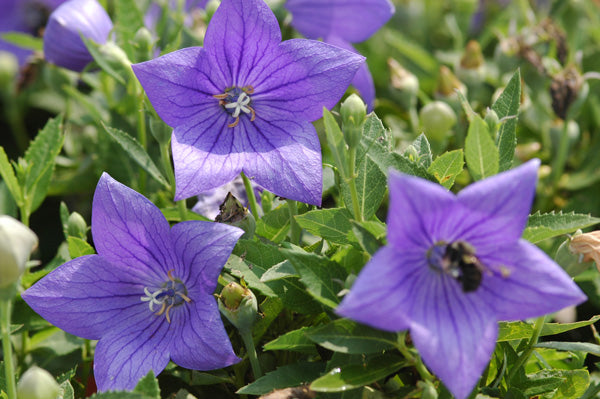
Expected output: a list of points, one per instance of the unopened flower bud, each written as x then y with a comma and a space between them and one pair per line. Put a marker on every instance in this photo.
411, 153
239, 305
9, 67
37, 383
115, 57
405, 82
353, 111
437, 118
16, 243
143, 42
76, 226
587, 247
232, 212
448, 83
471, 68
492, 121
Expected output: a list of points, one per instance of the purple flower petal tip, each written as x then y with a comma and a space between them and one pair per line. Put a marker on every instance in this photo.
245, 101
148, 294
63, 45
454, 266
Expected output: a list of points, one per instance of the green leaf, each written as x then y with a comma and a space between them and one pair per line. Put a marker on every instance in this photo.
423, 148
370, 187
323, 278
41, 157
574, 382
135, 150
283, 377
537, 384
270, 308
357, 375
79, 247
24, 40
547, 225
10, 179
405, 165
366, 240
148, 386
447, 166
67, 390
128, 19
205, 378
336, 142
94, 49
480, 151
296, 340
507, 106
571, 346
346, 336
332, 224
281, 270
521, 330
274, 225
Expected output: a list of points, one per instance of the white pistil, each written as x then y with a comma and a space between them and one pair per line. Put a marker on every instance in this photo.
240, 105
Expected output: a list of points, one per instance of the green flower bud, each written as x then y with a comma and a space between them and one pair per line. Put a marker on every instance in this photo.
116, 58
411, 153
402, 79
9, 68
144, 43
353, 111
16, 243
76, 226
448, 83
232, 212
437, 118
239, 305
492, 120
37, 383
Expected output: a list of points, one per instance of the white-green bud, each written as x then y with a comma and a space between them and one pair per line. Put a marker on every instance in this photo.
354, 112
143, 42
9, 67
37, 383
76, 226
116, 58
239, 305
16, 243
492, 120
437, 118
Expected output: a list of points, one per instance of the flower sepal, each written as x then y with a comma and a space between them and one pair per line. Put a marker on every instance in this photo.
239, 305
233, 213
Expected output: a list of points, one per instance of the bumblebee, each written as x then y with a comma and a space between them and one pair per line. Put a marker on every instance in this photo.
460, 262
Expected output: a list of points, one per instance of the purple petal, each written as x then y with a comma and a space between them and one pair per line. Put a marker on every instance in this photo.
498, 207
180, 85
352, 20
302, 77
380, 294
202, 249
200, 341
130, 231
128, 353
526, 283
87, 297
241, 33
286, 157
454, 332
206, 155
63, 45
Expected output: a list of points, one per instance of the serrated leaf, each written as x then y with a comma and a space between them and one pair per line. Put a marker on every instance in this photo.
357, 375
421, 144
323, 278
284, 377
447, 166
480, 151
346, 336
336, 142
507, 106
66, 390
547, 225
148, 386
79, 247
332, 224
23, 40
521, 330
274, 225
370, 184
574, 382
137, 153
10, 179
41, 157
405, 165
295, 340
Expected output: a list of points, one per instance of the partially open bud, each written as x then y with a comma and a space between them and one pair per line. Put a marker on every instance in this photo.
353, 111
564, 90
37, 383
448, 83
76, 226
437, 118
471, 68
587, 246
405, 82
232, 212
239, 305
16, 243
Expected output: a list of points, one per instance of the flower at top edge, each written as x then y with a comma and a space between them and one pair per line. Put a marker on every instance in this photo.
147, 296
63, 45
342, 22
244, 103
24, 16
454, 266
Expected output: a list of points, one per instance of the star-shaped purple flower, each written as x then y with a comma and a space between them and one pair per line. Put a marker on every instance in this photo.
454, 266
147, 295
342, 22
244, 102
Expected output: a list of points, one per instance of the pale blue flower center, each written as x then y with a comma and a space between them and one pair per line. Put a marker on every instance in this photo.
172, 293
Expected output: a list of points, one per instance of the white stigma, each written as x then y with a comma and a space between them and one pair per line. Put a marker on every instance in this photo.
240, 105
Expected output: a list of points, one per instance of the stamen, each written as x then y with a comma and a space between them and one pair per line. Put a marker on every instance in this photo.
253, 113
167, 314
237, 101
234, 124
172, 293
221, 96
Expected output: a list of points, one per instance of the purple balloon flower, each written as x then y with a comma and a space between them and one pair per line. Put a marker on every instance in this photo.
147, 295
454, 266
62, 39
245, 101
26, 16
342, 22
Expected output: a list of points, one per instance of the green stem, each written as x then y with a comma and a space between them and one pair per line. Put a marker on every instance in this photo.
251, 350
9, 369
15, 121
414, 360
142, 136
165, 157
537, 330
296, 231
24, 215
352, 185
561, 156
251, 196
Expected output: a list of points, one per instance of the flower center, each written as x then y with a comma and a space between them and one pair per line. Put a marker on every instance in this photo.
458, 260
35, 17
236, 100
172, 293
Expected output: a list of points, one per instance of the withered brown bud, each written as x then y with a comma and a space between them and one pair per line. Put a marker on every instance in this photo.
448, 82
472, 58
588, 245
564, 89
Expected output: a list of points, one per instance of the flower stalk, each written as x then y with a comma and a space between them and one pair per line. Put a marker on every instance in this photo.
537, 330
9, 369
296, 231
351, 180
251, 197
